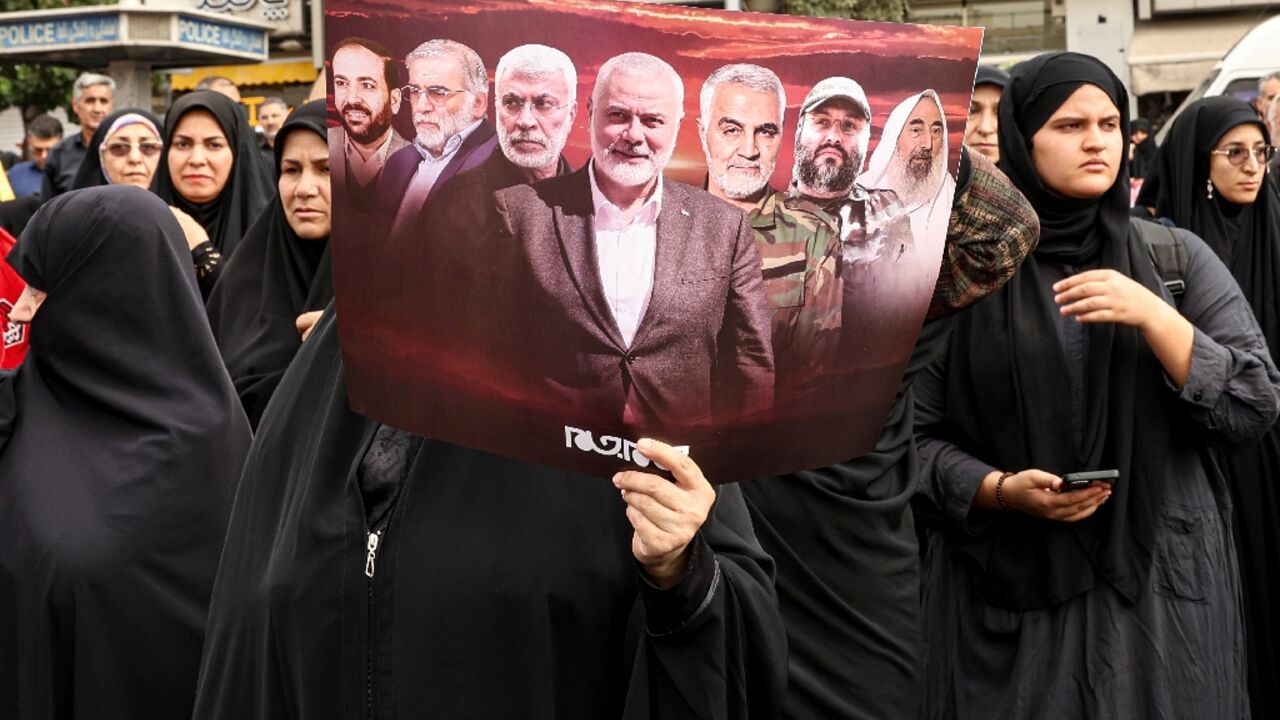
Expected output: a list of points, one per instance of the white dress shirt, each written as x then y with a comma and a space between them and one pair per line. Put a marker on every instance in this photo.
429, 169
626, 252
364, 171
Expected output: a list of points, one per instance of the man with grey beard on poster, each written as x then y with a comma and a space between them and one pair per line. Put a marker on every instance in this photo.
448, 91
536, 100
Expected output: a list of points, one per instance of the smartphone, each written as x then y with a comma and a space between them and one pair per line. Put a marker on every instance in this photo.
1082, 480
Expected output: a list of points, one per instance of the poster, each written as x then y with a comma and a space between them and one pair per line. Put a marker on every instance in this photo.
561, 227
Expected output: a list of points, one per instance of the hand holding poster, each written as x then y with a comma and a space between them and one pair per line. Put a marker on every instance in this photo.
721, 230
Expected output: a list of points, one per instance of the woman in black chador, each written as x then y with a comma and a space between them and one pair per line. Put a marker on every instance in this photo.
212, 171
282, 268
1211, 178
119, 467
373, 574
1118, 600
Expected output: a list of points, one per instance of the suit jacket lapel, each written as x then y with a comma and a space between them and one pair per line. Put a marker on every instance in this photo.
482, 137
573, 219
675, 223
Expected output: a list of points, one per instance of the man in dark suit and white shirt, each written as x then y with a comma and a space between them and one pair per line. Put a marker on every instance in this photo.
448, 90
641, 298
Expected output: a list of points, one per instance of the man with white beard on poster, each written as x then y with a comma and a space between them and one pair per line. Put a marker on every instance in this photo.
536, 96
646, 297
911, 160
448, 90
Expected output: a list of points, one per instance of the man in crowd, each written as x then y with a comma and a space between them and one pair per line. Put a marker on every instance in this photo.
271, 115
647, 293
43, 133
92, 100
219, 84
911, 160
448, 91
982, 131
1268, 90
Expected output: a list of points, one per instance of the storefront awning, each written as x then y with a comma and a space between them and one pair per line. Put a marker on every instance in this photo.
268, 73
1175, 54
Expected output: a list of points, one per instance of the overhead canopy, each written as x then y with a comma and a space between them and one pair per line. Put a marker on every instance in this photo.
268, 73
1175, 54
94, 35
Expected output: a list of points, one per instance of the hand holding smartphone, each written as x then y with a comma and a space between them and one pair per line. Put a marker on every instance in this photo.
1082, 480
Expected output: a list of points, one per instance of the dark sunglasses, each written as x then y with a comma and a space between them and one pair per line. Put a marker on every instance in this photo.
120, 148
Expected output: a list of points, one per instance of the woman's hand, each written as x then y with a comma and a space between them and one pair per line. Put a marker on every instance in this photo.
1102, 296
1035, 493
193, 230
306, 322
666, 515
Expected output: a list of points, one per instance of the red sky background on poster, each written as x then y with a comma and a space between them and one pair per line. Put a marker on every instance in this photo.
891, 61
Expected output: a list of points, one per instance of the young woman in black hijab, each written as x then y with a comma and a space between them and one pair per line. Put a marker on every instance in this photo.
281, 269
1212, 179
119, 468
1116, 600
211, 170
370, 573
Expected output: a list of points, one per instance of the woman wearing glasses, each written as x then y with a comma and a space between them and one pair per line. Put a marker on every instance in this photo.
1211, 178
124, 150
213, 176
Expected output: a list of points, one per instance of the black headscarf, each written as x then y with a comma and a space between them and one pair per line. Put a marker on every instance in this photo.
249, 186
991, 75
1010, 400
1244, 237
122, 463
90, 173
274, 277
1144, 153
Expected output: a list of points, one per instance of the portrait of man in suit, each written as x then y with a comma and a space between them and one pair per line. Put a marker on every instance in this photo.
650, 304
366, 94
448, 92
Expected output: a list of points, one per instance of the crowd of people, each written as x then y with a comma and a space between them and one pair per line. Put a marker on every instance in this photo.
195, 523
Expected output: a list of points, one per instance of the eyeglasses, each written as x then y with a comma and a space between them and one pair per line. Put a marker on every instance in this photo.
1237, 155
121, 148
436, 93
542, 105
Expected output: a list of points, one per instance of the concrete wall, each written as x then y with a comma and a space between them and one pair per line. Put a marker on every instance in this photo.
1103, 28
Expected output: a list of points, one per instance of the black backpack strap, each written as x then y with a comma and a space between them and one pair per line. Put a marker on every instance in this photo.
1168, 254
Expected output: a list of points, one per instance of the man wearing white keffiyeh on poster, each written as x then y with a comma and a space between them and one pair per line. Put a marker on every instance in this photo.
911, 159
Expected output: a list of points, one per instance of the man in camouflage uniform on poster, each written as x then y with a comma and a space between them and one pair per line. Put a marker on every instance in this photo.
740, 126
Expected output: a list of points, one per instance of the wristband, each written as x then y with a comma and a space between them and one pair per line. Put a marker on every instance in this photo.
1000, 489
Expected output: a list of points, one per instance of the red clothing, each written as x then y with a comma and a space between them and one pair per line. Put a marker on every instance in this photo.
13, 343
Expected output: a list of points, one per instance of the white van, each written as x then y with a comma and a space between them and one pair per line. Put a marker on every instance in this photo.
1254, 57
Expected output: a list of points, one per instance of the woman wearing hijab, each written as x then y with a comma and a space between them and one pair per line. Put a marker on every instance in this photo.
1120, 599
281, 269
372, 573
212, 172
125, 149
1211, 178
118, 470
1142, 153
